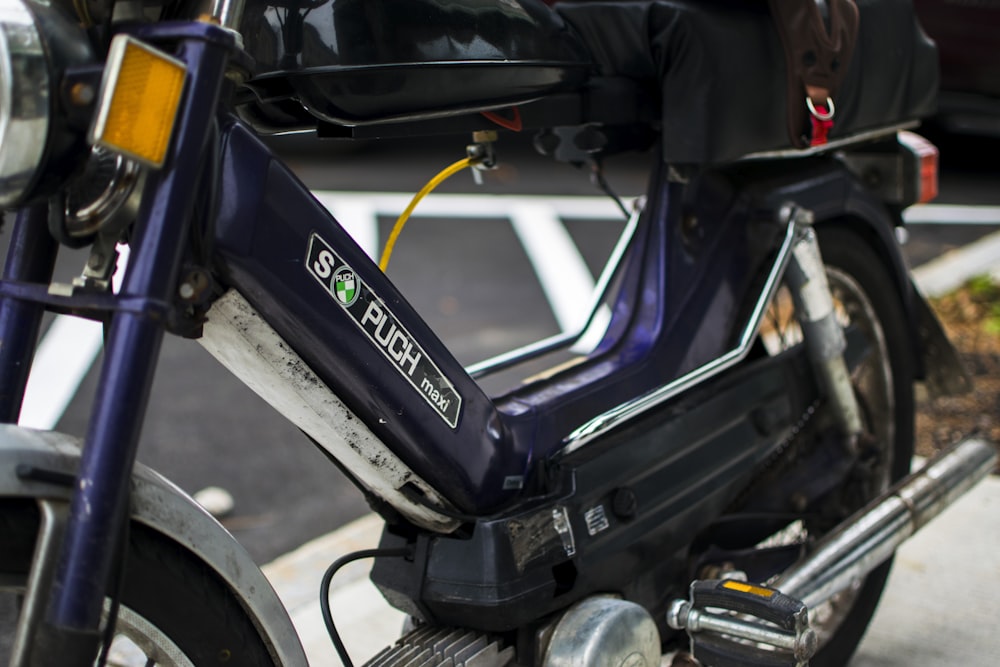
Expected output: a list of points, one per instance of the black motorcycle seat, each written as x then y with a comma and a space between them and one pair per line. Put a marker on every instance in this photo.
354, 62
716, 68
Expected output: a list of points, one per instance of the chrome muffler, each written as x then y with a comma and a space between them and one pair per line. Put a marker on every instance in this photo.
867, 539
844, 557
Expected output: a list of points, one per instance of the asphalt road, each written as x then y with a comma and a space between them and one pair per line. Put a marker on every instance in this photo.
206, 429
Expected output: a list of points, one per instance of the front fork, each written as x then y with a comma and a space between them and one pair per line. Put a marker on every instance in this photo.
69, 633
823, 335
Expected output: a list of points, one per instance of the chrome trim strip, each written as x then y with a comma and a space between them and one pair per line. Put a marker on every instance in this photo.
858, 138
508, 359
613, 418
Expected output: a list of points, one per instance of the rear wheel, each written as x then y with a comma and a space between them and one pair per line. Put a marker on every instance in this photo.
869, 307
174, 612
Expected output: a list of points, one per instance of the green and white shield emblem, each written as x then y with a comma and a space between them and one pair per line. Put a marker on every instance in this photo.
345, 286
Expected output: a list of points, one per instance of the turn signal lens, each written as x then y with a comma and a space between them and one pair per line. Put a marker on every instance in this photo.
140, 95
926, 155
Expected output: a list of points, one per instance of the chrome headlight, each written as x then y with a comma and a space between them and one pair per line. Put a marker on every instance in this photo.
42, 132
24, 100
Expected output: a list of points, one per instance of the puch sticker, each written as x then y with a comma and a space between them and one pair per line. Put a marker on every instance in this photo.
345, 286
375, 319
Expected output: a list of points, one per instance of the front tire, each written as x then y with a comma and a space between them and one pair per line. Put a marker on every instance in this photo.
175, 611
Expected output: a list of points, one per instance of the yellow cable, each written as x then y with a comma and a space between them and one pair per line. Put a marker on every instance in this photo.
405, 215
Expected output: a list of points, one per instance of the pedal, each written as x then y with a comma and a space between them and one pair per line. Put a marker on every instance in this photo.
735, 624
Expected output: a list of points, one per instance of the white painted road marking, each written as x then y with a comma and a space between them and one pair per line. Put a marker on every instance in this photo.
69, 347
951, 214
565, 279
62, 360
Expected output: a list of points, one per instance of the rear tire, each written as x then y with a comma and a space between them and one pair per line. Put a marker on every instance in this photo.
175, 610
847, 251
867, 298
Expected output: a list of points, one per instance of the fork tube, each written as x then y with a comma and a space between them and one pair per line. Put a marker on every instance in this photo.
31, 257
100, 500
823, 334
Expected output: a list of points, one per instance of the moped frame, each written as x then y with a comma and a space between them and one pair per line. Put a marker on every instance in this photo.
668, 317
681, 301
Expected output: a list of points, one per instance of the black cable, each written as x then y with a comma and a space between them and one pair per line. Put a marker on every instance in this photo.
115, 593
324, 591
597, 176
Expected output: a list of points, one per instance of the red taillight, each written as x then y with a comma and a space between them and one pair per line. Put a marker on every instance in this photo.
926, 157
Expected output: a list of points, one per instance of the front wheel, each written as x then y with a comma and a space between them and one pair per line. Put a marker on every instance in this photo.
174, 612
869, 306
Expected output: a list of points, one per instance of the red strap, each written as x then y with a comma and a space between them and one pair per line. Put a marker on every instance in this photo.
820, 128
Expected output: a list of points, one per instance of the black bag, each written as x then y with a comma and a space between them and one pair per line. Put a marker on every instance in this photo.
725, 84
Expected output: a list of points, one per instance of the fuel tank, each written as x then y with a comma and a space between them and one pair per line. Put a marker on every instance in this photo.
353, 62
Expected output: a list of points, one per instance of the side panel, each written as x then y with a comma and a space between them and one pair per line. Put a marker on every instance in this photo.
641, 492
632, 508
311, 282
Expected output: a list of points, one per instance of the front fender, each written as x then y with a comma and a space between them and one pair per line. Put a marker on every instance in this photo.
160, 505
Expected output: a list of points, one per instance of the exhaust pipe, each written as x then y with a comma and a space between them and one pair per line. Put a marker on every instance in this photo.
855, 548
869, 538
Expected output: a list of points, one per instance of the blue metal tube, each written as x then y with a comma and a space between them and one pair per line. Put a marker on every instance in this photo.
100, 500
31, 257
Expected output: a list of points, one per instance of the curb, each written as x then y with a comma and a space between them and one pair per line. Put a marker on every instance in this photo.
952, 269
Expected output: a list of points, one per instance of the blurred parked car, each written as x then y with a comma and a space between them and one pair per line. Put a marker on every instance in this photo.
968, 36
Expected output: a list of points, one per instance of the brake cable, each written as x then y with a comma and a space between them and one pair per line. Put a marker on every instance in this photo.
324, 591
405, 215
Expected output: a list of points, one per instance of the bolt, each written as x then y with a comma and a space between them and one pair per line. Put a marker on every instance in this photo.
799, 502
678, 613
624, 504
804, 216
485, 136
195, 283
82, 94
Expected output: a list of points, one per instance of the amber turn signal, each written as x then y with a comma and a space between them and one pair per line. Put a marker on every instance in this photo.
140, 96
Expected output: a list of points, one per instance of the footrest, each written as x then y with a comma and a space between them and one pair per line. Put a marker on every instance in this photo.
765, 603
735, 624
